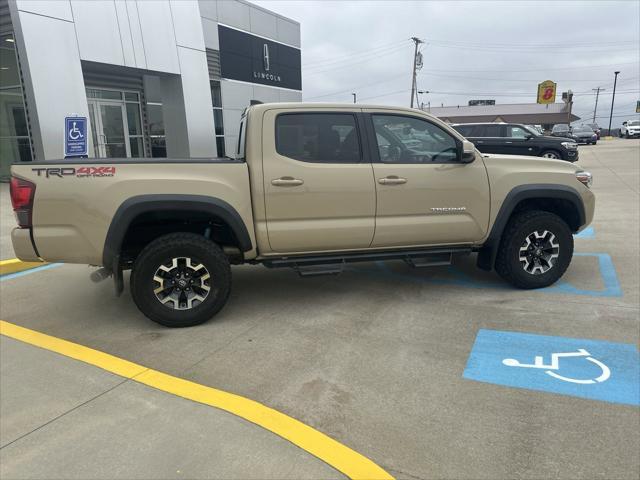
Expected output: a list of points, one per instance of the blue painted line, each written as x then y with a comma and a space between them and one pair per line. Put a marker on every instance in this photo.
588, 232
457, 277
594, 369
607, 272
11, 276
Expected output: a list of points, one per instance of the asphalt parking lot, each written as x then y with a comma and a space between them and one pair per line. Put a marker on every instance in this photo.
384, 359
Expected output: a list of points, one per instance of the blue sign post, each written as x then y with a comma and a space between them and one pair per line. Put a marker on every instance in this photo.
593, 369
75, 137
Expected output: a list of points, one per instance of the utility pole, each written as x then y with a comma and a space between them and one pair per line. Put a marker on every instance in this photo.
595, 110
354, 97
417, 42
615, 80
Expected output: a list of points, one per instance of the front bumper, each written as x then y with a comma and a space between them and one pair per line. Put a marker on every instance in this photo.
23, 246
571, 155
633, 133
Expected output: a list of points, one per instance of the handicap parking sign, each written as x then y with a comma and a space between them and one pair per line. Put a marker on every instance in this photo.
593, 369
75, 139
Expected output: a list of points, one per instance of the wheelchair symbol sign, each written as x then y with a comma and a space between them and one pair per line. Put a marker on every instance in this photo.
555, 365
75, 140
579, 367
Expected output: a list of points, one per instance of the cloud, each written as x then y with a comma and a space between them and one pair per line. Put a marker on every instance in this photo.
495, 50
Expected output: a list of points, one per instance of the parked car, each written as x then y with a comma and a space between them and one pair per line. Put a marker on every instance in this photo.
562, 130
517, 139
312, 187
596, 129
630, 128
584, 134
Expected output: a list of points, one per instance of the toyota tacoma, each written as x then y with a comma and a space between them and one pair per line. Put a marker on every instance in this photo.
311, 187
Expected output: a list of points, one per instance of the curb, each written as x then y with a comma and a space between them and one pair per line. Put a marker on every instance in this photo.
14, 265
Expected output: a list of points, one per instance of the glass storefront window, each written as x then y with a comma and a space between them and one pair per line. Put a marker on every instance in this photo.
13, 120
216, 94
156, 122
217, 121
133, 119
158, 147
131, 97
99, 93
9, 75
15, 145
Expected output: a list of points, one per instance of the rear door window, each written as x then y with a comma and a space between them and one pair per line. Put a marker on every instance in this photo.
318, 137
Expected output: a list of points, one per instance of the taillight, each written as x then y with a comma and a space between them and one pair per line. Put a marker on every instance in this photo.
22, 193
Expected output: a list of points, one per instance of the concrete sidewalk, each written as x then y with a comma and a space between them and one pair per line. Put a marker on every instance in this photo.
61, 418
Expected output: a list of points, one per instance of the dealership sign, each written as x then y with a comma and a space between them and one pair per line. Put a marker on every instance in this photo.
547, 92
254, 59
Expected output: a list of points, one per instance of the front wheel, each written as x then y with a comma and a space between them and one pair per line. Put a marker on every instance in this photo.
535, 250
181, 280
550, 154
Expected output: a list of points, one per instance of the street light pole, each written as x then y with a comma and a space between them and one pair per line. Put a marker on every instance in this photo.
615, 80
354, 97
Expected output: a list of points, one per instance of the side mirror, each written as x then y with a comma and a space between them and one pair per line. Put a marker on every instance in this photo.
528, 136
624, 123
468, 152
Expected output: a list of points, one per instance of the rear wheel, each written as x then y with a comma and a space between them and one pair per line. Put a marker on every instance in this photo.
181, 280
535, 251
550, 154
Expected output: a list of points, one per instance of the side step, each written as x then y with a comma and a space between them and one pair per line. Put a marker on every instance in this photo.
333, 264
322, 269
433, 260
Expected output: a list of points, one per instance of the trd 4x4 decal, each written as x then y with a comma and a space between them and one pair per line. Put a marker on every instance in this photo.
80, 172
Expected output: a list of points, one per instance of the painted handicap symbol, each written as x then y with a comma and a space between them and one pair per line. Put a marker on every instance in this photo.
555, 365
75, 133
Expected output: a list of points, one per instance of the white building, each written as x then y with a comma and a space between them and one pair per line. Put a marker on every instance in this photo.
153, 77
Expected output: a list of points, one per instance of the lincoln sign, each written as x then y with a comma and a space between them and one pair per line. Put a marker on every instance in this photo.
253, 59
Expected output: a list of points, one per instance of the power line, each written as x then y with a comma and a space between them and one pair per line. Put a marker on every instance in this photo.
370, 54
352, 54
374, 55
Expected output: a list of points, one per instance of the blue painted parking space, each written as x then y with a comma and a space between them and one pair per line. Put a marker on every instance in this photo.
592, 369
457, 277
587, 233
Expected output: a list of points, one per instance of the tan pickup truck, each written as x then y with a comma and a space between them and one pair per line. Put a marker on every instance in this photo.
312, 187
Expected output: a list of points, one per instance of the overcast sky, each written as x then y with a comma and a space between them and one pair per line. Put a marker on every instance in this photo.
472, 50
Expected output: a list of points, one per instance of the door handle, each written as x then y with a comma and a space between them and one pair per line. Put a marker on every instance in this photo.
508, 142
286, 182
479, 141
392, 180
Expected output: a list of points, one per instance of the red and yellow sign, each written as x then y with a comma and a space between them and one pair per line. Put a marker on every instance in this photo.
547, 92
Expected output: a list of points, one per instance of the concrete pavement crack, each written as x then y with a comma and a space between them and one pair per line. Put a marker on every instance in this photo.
65, 413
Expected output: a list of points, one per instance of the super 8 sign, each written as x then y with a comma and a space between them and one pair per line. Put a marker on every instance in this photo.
547, 92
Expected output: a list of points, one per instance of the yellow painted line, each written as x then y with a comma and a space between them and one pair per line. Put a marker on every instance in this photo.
340, 457
15, 265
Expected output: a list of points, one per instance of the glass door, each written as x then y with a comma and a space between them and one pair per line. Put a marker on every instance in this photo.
116, 127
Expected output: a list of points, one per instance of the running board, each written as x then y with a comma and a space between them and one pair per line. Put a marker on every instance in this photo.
332, 264
316, 270
433, 260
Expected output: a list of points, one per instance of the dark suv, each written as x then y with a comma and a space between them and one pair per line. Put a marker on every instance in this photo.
517, 139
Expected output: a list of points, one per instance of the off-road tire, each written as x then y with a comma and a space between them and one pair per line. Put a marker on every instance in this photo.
520, 226
163, 250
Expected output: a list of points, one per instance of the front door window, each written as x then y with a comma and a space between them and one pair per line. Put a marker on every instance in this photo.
116, 127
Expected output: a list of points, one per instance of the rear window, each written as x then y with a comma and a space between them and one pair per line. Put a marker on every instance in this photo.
464, 130
318, 137
488, 131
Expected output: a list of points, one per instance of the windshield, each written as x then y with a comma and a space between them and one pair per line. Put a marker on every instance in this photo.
633, 123
534, 131
583, 129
